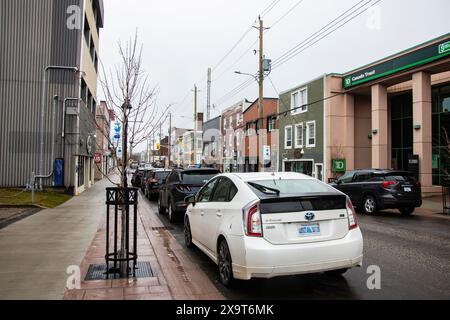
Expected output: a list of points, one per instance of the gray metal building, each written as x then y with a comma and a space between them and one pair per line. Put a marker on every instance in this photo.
48, 88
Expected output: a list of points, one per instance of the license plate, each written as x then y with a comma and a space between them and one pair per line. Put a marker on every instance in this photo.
408, 189
308, 230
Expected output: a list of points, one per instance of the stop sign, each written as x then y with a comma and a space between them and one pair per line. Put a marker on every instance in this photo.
98, 158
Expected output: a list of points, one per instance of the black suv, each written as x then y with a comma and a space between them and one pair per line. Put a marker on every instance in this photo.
179, 185
373, 190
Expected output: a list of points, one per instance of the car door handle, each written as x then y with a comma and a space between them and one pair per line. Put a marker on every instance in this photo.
219, 214
202, 213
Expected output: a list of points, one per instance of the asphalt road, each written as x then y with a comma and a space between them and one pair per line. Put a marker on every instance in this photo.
413, 254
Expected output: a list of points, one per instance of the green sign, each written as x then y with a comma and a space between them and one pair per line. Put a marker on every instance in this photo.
339, 166
445, 47
435, 161
410, 60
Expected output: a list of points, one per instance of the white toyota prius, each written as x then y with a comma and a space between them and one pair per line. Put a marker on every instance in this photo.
265, 225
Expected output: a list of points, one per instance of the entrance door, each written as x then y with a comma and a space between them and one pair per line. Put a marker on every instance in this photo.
402, 130
319, 172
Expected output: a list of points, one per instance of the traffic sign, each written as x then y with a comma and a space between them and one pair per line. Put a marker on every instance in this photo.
98, 158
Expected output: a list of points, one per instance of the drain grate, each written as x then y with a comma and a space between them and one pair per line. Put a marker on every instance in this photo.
162, 228
98, 272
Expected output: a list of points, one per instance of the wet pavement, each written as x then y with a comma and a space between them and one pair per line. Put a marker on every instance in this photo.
412, 253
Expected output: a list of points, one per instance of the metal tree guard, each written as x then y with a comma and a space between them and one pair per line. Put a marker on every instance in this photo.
121, 199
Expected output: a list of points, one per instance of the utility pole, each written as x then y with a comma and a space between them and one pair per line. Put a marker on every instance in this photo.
195, 124
261, 89
170, 137
208, 99
160, 139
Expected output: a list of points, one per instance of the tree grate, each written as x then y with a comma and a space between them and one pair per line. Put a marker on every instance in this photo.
98, 272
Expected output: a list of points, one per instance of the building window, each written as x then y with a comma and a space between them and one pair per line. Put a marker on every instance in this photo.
240, 119
87, 32
271, 123
311, 134
84, 91
288, 137
249, 129
230, 122
299, 136
299, 101
80, 169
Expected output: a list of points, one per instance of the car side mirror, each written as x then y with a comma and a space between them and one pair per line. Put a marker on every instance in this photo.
339, 182
190, 200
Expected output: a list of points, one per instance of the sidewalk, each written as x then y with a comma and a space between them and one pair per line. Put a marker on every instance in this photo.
35, 252
175, 275
432, 207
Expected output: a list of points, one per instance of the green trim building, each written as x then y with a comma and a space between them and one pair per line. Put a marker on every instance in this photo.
301, 125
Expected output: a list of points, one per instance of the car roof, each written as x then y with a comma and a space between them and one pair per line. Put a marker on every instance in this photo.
197, 169
382, 171
260, 176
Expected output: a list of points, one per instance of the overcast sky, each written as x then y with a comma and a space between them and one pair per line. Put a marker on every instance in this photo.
183, 38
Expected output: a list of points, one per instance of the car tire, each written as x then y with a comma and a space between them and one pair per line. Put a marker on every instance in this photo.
161, 209
172, 214
369, 205
187, 233
407, 211
225, 264
336, 273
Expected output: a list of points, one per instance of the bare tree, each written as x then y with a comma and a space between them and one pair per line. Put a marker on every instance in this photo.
128, 91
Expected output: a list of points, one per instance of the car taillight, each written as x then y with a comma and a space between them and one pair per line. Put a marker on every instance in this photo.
352, 221
388, 184
251, 216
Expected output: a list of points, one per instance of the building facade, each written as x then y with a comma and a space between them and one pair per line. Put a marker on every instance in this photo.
233, 133
393, 113
104, 118
212, 142
261, 137
48, 86
301, 123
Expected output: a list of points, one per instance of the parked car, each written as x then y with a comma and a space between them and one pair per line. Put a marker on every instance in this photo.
138, 178
265, 225
153, 181
133, 167
179, 185
373, 190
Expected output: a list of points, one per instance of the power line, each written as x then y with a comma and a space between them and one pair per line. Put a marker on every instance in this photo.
316, 37
319, 37
269, 8
287, 13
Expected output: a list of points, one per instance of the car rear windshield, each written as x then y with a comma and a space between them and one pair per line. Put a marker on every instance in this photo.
197, 177
400, 177
291, 187
161, 175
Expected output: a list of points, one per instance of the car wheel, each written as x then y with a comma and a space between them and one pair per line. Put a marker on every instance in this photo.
187, 233
369, 205
336, 273
225, 264
172, 213
161, 209
407, 211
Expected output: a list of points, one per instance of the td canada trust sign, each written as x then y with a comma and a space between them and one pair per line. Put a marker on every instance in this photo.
413, 59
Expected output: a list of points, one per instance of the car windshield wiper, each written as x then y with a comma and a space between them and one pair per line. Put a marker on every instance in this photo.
264, 189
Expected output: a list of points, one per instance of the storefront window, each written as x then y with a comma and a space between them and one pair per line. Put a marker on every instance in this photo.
402, 130
441, 132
